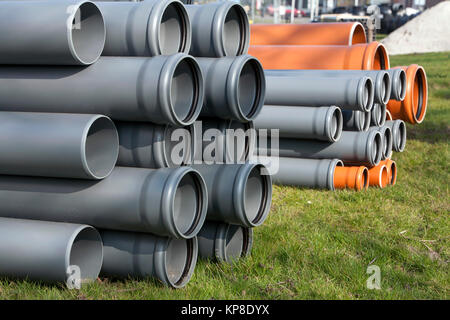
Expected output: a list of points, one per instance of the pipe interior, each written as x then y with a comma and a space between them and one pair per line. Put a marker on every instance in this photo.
234, 32
387, 137
359, 35
419, 95
88, 33
234, 243
178, 260
172, 30
380, 60
393, 173
365, 178
336, 124
184, 92
368, 94
384, 179
249, 88
188, 203
367, 118
401, 137
102, 147
256, 195
87, 253
377, 148
402, 85
383, 112
376, 114
386, 92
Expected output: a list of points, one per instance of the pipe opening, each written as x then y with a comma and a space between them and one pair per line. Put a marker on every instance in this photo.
256, 195
188, 204
88, 33
377, 148
185, 90
383, 111
419, 95
367, 95
358, 35
86, 252
251, 88
386, 88
366, 122
384, 178
365, 178
235, 31
235, 241
376, 114
402, 84
387, 142
401, 137
393, 173
336, 125
381, 60
173, 29
179, 261
101, 147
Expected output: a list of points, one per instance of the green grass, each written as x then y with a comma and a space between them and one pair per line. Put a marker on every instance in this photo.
318, 244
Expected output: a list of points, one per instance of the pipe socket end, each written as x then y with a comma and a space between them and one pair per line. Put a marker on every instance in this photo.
365, 94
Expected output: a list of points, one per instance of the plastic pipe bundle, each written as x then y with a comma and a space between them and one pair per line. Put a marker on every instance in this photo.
298, 90
378, 176
414, 107
148, 28
386, 138
219, 29
57, 145
162, 89
343, 33
73, 32
371, 56
309, 173
147, 145
323, 123
224, 141
398, 81
378, 115
356, 120
356, 178
361, 148
239, 194
140, 255
380, 78
398, 129
234, 87
224, 242
49, 251
166, 202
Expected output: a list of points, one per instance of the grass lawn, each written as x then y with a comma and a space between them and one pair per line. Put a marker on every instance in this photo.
318, 244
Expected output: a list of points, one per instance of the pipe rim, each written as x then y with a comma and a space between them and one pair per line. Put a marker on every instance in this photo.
419, 94
383, 177
227, 247
385, 83
375, 57
363, 180
99, 161
227, 11
376, 114
383, 112
388, 115
392, 172
367, 119
400, 83
334, 123
172, 98
246, 103
174, 208
241, 193
357, 34
374, 147
365, 94
387, 142
156, 38
331, 173
401, 135
93, 257
95, 31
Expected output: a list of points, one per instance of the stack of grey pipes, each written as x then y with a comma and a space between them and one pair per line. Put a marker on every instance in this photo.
100, 169
327, 119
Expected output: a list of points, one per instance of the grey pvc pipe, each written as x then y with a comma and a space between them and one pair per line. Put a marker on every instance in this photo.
148, 28
398, 79
323, 123
51, 32
354, 147
298, 90
166, 202
49, 251
162, 89
219, 141
308, 173
219, 29
380, 78
354, 120
387, 140
141, 255
378, 115
238, 194
398, 129
148, 145
234, 87
57, 145
224, 242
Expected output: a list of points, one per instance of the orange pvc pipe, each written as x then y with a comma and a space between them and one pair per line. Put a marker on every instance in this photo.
368, 56
356, 178
391, 167
414, 107
341, 33
378, 176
